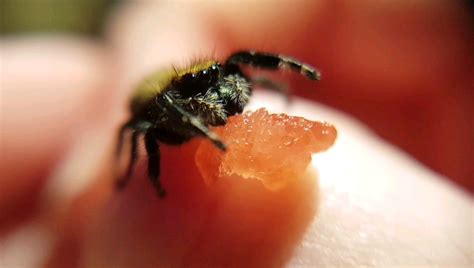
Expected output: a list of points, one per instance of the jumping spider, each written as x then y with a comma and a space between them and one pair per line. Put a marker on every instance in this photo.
174, 105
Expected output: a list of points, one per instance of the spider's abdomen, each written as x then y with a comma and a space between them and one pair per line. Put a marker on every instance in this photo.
152, 86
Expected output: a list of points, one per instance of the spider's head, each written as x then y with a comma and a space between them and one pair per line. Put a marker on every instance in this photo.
201, 76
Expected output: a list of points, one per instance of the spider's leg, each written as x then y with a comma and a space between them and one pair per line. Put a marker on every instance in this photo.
195, 122
121, 139
267, 83
137, 129
122, 181
153, 151
273, 61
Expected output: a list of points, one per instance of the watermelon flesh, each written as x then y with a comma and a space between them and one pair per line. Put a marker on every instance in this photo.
272, 148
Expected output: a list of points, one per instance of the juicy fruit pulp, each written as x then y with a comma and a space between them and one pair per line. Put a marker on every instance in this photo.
272, 148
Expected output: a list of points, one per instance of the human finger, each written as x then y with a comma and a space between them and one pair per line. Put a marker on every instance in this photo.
48, 89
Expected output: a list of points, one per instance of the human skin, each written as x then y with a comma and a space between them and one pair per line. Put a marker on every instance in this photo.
375, 205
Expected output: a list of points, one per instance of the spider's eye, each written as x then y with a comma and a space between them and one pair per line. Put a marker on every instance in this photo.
214, 72
189, 78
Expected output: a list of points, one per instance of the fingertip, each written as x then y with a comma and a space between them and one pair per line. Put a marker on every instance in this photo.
235, 220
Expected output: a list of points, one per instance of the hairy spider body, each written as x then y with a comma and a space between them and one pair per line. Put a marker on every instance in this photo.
173, 106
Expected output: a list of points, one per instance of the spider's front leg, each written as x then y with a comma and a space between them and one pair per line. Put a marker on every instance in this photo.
273, 62
194, 122
266, 83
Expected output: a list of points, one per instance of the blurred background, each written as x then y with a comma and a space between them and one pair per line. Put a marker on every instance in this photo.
404, 68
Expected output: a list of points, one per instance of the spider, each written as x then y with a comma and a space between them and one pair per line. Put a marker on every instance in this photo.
175, 105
